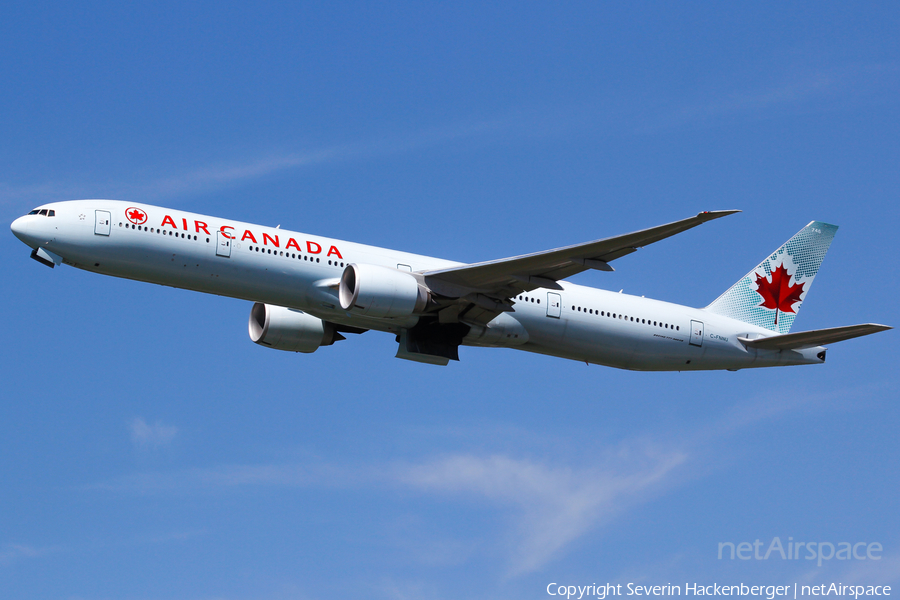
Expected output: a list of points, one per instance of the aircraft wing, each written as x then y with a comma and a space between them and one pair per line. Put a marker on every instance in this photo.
816, 337
507, 277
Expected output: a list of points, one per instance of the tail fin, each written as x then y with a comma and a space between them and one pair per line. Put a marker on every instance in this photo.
771, 294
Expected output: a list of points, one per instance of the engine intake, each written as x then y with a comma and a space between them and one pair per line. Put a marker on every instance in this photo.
381, 291
290, 330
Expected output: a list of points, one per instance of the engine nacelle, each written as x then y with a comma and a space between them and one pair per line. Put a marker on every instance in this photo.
291, 330
381, 291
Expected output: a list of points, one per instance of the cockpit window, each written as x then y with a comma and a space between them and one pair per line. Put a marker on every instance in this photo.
34, 212
45, 212
51, 213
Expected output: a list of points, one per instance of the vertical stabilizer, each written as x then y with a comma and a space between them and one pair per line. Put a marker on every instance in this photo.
771, 294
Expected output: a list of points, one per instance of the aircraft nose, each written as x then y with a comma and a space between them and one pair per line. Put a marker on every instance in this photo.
19, 228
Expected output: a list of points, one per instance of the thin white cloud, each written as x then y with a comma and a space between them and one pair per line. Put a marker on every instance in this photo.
13, 552
797, 88
146, 436
555, 504
407, 590
549, 503
224, 174
235, 476
886, 570
794, 87
212, 177
174, 536
793, 91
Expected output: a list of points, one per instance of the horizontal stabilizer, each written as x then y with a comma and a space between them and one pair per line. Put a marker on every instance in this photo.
811, 339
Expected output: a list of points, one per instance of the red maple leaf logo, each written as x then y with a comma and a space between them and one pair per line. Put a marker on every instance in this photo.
136, 215
779, 294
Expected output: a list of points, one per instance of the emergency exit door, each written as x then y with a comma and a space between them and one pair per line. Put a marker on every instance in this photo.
102, 222
697, 333
223, 244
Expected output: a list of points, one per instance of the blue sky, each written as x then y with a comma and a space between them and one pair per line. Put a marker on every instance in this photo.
149, 450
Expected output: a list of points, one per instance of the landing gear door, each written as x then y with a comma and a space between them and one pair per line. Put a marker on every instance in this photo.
554, 305
223, 244
697, 333
102, 221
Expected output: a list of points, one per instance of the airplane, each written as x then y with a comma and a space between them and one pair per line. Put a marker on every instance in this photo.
309, 290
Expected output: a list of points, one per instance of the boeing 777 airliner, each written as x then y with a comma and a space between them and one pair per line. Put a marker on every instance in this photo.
309, 290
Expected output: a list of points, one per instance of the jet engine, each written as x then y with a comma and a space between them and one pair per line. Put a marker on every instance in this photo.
381, 291
291, 330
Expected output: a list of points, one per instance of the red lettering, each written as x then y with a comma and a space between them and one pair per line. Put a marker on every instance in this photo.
247, 234
225, 233
266, 237
198, 225
334, 250
292, 242
168, 219
185, 224
309, 248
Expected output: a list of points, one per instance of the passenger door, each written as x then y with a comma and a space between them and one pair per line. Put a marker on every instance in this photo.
554, 305
102, 222
697, 333
223, 245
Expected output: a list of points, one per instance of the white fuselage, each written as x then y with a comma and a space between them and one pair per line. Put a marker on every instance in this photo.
301, 271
